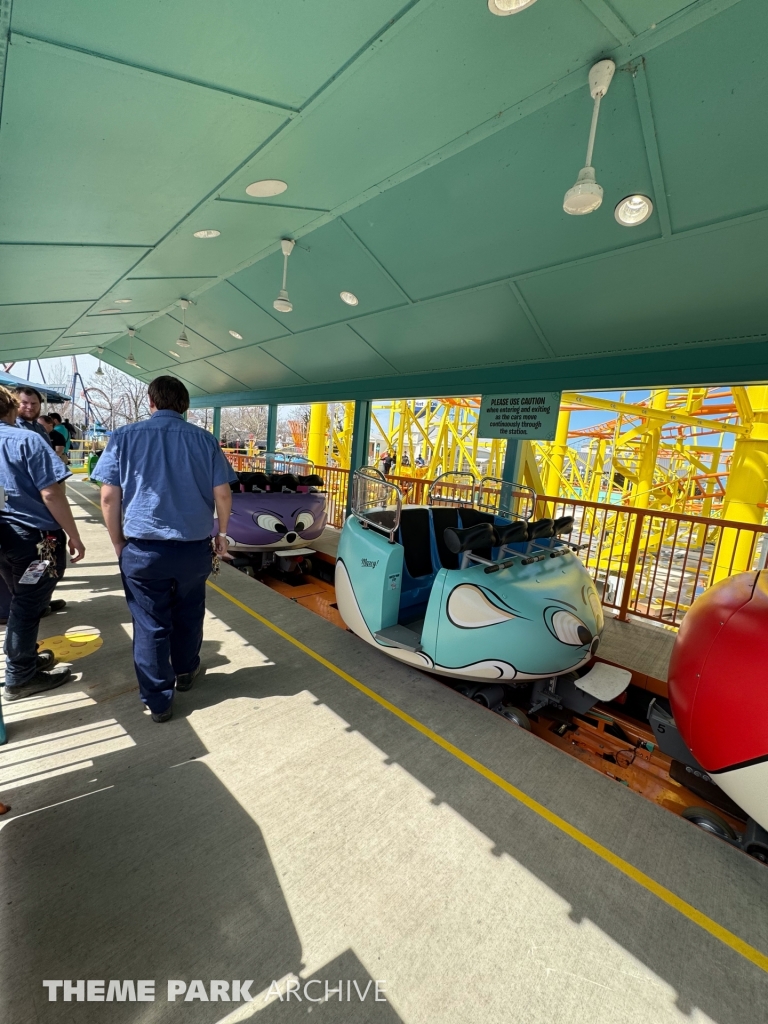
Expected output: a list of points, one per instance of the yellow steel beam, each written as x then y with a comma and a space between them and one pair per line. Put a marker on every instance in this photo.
663, 415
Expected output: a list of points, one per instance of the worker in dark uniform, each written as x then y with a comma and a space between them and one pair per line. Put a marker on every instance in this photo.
161, 479
30, 402
32, 525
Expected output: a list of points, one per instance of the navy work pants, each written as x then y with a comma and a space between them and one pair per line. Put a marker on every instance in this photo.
164, 584
18, 547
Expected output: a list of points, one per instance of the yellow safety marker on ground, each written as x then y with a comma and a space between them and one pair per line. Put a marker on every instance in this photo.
78, 642
664, 894
725, 936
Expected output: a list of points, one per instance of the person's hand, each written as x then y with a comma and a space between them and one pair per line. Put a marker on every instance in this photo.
118, 546
76, 548
221, 546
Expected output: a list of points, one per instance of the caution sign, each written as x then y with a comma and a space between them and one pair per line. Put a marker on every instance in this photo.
528, 417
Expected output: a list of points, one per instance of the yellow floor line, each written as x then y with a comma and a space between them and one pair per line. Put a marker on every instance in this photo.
664, 894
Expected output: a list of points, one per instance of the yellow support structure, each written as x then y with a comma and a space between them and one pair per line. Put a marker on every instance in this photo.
318, 424
558, 452
746, 491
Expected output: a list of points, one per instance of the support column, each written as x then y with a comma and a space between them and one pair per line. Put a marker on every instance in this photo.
318, 421
217, 422
361, 432
271, 427
746, 491
644, 496
558, 451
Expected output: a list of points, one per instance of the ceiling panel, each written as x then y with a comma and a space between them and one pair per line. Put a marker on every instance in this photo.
210, 378
713, 155
705, 287
256, 368
57, 273
28, 340
150, 293
118, 175
322, 265
496, 209
269, 51
642, 15
74, 346
453, 67
40, 316
484, 326
245, 231
221, 309
329, 354
21, 354
148, 357
162, 334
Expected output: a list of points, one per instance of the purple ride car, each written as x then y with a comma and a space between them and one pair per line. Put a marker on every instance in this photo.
273, 512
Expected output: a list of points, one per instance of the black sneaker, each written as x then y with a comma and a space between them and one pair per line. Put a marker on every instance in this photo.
46, 659
185, 680
39, 683
163, 716
55, 606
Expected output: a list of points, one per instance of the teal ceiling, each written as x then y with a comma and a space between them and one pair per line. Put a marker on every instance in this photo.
427, 146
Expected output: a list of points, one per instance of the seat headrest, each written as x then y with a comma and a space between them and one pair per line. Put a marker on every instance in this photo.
540, 530
563, 524
471, 539
511, 533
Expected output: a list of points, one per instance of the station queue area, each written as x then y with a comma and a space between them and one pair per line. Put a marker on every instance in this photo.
383, 512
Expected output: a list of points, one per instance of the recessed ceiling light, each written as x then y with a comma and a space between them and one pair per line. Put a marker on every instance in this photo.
633, 210
82, 332
122, 302
172, 353
504, 7
236, 335
207, 233
349, 297
110, 311
266, 187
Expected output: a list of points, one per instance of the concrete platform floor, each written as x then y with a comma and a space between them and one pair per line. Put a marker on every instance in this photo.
289, 824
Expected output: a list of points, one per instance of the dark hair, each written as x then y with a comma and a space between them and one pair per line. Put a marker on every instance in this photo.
46, 419
55, 416
24, 390
8, 401
169, 393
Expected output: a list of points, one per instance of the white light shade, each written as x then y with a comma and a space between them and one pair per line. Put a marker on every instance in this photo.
505, 7
207, 233
236, 335
266, 187
183, 341
585, 196
132, 362
99, 371
349, 297
122, 302
633, 210
282, 303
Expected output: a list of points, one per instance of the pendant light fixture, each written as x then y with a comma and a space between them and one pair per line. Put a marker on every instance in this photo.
130, 360
586, 195
99, 371
183, 341
505, 7
282, 303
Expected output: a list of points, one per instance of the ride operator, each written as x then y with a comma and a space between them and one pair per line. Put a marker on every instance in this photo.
33, 557
165, 476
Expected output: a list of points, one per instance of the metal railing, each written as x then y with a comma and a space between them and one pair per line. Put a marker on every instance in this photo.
645, 563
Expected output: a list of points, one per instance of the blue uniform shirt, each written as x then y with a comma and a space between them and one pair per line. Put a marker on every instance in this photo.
34, 426
167, 469
28, 464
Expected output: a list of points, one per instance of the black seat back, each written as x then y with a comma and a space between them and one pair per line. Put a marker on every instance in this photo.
415, 538
511, 533
563, 524
471, 517
540, 530
475, 538
443, 519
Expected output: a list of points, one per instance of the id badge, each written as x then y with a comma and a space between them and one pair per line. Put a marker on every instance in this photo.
34, 572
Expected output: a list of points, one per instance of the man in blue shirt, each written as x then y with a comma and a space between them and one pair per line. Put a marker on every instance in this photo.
32, 524
161, 479
30, 403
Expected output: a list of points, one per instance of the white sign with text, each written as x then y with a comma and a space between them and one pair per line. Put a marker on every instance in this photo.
526, 417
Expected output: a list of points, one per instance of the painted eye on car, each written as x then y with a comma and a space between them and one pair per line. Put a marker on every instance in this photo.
597, 609
304, 520
469, 608
568, 628
270, 523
